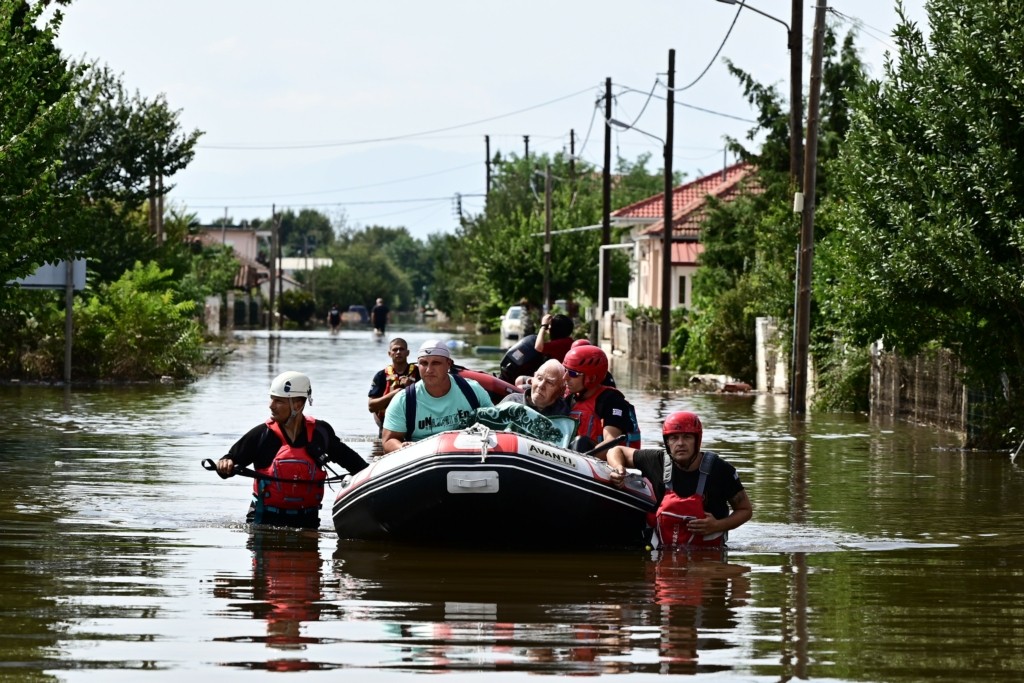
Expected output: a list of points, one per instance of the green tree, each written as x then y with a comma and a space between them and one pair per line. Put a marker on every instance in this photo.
927, 246
305, 232
748, 265
498, 257
37, 107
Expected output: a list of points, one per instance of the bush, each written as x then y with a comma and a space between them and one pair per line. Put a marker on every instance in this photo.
133, 329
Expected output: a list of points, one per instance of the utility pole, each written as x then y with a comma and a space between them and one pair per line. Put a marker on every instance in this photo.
666, 243
803, 308
572, 154
487, 147
273, 264
547, 237
526, 143
606, 192
796, 62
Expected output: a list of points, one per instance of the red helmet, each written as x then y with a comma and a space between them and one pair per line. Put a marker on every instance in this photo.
683, 422
580, 342
590, 360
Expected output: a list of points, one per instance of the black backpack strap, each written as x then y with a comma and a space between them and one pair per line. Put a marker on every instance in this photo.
410, 401
706, 463
410, 410
467, 391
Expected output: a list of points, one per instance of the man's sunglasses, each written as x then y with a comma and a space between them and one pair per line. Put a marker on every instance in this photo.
573, 373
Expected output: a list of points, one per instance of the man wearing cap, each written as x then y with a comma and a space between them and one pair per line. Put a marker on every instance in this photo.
439, 402
288, 446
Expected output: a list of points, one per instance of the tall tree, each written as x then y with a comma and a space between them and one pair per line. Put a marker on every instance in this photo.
928, 246
36, 109
748, 265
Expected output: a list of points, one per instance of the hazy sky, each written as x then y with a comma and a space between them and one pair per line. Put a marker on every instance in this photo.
378, 110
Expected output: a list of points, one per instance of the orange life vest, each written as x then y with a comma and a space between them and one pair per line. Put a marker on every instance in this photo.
391, 377
292, 462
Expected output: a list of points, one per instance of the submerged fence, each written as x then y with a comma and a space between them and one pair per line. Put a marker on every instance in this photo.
927, 389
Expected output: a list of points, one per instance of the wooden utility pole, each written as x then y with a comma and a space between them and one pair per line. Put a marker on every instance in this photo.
796, 104
798, 405
547, 237
526, 146
606, 193
572, 154
273, 265
666, 242
487, 147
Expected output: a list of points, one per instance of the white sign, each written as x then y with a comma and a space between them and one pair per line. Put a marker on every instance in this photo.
54, 276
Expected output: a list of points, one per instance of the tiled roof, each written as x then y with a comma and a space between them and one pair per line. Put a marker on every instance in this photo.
689, 202
686, 253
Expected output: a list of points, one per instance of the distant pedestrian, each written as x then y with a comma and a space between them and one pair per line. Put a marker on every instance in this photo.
379, 317
334, 318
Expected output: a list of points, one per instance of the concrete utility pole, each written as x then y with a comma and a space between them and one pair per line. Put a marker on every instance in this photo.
606, 192
798, 406
666, 243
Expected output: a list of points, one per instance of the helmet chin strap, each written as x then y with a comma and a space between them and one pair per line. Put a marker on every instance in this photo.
689, 461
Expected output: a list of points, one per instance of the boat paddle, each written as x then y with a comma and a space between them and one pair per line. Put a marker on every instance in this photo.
210, 465
605, 445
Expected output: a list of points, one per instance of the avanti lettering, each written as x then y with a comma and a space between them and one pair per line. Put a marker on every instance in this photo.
551, 455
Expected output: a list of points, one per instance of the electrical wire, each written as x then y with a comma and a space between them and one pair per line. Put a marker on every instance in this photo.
343, 189
392, 138
692, 106
721, 45
871, 31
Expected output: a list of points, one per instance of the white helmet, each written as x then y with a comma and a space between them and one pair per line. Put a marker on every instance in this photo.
292, 384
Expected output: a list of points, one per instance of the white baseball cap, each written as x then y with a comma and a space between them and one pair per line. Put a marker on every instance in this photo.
433, 347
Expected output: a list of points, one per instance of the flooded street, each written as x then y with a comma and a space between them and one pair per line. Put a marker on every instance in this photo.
878, 551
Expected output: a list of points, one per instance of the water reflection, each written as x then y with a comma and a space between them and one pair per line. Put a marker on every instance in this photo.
284, 591
576, 614
878, 550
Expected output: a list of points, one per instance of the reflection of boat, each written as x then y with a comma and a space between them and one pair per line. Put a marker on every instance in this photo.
479, 486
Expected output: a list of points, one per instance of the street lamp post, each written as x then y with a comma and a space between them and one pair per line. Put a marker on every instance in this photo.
793, 40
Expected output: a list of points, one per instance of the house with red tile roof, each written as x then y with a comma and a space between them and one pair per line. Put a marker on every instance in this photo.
689, 209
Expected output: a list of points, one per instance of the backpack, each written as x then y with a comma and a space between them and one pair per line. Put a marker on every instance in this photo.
410, 401
675, 511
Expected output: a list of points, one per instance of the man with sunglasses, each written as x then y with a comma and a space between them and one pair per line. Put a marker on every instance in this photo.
392, 379
602, 411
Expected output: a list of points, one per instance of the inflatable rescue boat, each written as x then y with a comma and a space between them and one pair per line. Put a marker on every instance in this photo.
494, 483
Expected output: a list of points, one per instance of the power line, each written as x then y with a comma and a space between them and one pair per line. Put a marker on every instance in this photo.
342, 189
407, 136
717, 52
691, 106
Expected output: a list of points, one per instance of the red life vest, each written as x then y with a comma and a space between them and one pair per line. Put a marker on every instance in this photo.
292, 462
592, 426
674, 513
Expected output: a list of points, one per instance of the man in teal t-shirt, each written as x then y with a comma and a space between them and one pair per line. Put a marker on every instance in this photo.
441, 404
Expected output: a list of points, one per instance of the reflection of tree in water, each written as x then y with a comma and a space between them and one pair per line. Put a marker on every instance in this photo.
285, 591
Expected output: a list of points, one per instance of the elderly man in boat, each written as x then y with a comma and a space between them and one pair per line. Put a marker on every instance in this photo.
438, 402
545, 392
